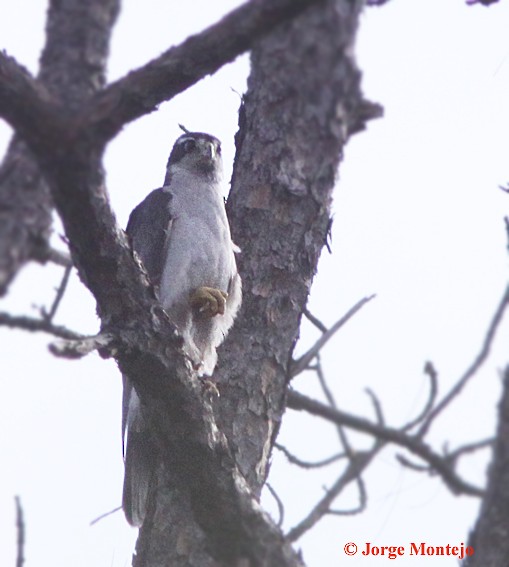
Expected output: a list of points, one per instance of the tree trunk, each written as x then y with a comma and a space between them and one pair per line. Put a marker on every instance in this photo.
490, 538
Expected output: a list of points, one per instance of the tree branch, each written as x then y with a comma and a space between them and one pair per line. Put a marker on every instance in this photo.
303, 362
48, 315
470, 448
23, 100
180, 67
473, 368
357, 464
20, 528
316, 322
430, 371
306, 464
482, 2
279, 503
46, 253
79, 348
37, 325
415, 445
72, 67
363, 499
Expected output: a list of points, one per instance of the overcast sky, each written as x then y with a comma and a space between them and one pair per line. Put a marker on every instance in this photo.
418, 220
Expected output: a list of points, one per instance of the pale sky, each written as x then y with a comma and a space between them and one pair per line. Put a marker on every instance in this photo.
418, 220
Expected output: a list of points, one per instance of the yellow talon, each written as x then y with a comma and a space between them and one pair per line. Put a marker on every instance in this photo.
208, 301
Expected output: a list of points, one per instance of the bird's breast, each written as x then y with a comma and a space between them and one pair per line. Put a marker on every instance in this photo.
199, 251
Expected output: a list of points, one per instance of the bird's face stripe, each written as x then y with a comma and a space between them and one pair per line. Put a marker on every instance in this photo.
196, 152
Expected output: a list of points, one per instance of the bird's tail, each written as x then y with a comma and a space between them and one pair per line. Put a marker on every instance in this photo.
140, 463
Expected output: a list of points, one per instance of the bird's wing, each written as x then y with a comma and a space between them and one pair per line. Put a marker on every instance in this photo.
148, 228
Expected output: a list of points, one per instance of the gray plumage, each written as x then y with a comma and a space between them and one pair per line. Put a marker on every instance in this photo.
181, 234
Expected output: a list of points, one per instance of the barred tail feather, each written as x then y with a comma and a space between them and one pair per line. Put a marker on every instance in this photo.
139, 469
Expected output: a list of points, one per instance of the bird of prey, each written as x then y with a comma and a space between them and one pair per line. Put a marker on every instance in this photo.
181, 234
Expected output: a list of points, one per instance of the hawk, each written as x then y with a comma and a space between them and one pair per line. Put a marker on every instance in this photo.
181, 234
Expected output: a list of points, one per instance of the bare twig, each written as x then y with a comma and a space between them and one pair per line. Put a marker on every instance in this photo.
357, 464
451, 458
37, 325
48, 254
329, 396
302, 363
470, 448
377, 405
483, 2
81, 347
363, 499
415, 445
48, 316
73, 345
20, 529
430, 371
473, 368
280, 506
332, 402
306, 464
316, 322
406, 462
105, 515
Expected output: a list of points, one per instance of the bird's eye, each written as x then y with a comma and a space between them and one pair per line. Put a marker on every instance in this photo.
189, 146
218, 149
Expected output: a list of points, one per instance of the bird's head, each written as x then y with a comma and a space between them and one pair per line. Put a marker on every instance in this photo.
197, 153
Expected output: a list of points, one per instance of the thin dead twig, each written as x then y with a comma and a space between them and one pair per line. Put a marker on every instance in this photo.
316, 322
280, 506
430, 371
307, 464
377, 406
302, 363
469, 448
20, 529
355, 467
48, 316
37, 325
363, 500
332, 403
105, 515
472, 369
414, 444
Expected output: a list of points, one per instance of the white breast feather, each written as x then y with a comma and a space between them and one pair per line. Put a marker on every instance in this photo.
199, 252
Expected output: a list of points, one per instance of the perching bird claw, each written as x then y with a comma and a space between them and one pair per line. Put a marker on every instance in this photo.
208, 301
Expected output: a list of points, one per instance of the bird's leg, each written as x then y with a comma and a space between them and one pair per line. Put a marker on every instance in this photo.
208, 301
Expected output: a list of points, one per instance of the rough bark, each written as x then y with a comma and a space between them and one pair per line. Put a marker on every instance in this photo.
72, 68
490, 538
303, 99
